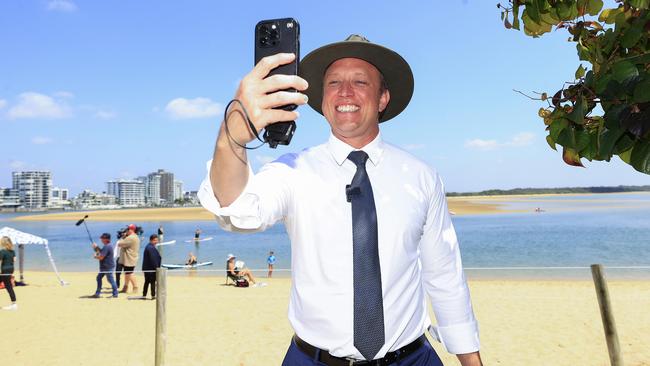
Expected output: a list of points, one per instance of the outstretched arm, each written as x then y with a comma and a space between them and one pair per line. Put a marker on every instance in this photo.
259, 95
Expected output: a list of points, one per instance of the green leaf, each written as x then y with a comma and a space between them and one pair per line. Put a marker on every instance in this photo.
582, 7
641, 4
623, 144
601, 83
606, 141
577, 115
642, 91
590, 151
632, 34
515, 15
626, 155
567, 138
582, 140
557, 127
580, 72
550, 142
594, 6
640, 157
624, 70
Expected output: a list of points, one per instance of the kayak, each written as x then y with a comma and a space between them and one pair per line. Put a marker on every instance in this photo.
195, 240
186, 266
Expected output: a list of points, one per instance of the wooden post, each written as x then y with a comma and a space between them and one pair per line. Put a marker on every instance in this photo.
21, 261
607, 315
161, 320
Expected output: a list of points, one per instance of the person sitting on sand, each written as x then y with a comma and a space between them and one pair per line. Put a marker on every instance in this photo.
7, 256
235, 273
191, 260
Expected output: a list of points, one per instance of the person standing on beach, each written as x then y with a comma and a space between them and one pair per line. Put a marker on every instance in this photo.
271, 262
7, 257
161, 233
151, 261
106, 264
370, 229
130, 253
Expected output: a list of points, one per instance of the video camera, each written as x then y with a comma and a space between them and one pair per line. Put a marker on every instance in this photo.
122, 233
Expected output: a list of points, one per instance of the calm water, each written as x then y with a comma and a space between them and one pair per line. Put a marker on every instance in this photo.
612, 229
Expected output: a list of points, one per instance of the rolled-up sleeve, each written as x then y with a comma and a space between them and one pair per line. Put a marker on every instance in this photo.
262, 203
444, 279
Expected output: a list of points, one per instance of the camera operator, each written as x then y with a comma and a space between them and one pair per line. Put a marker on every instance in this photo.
129, 253
106, 264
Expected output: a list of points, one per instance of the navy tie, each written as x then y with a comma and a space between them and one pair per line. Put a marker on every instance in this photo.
368, 300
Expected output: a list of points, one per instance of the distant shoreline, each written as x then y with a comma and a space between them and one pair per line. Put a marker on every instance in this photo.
458, 206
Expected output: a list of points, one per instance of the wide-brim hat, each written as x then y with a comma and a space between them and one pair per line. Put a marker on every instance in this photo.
396, 71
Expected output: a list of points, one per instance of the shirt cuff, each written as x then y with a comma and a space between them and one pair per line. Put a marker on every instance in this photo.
242, 215
458, 339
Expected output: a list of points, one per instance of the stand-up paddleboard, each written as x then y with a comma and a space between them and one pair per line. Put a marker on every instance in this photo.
186, 266
195, 240
169, 242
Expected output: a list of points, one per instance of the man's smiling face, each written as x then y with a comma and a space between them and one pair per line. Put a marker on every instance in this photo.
353, 97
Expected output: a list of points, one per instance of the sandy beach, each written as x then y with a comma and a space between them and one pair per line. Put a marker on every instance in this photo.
458, 205
522, 322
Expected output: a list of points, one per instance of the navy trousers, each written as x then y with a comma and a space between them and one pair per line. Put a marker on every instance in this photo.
423, 356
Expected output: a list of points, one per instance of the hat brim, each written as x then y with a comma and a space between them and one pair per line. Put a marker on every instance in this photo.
397, 72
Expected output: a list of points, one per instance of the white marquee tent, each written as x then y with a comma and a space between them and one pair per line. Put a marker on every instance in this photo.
21, 239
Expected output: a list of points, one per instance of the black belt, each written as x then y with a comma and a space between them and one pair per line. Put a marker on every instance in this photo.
329, 360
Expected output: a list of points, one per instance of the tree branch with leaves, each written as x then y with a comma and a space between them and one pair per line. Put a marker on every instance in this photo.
605, 111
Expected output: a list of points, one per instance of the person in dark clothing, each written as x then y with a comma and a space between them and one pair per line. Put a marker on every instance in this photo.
7, 256
150, 262
106, 264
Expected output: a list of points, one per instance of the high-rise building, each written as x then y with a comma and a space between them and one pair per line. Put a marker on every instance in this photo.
178, 190
9, 198
152, 188
129, 193
166, 185
33, 188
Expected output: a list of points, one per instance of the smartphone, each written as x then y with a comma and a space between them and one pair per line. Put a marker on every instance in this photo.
279, 36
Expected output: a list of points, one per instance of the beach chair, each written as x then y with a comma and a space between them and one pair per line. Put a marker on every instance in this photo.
238, 281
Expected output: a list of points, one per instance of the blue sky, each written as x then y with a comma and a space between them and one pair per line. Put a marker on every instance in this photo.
95, 90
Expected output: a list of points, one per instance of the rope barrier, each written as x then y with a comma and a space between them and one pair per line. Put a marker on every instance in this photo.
194, 270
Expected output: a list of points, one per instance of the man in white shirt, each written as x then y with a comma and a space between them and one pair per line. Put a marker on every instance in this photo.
369, 225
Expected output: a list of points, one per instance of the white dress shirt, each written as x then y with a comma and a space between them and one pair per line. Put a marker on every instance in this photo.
418, 248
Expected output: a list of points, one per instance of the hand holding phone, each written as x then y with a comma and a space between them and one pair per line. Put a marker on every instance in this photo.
272, 37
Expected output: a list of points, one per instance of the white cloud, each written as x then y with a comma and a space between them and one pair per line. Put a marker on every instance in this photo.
17, 164
36, 105
66, 6
3, 103
482, 144
264, 159
41, 140
520, 139
182, 108
101, 114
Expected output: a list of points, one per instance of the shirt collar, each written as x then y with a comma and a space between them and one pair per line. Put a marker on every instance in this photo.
340, 150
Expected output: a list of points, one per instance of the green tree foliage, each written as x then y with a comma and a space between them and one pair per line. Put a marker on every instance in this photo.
605, 111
